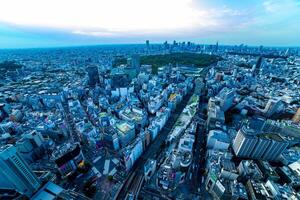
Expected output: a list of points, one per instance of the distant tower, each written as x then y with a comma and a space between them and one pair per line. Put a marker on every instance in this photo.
147, 44
287, 52
93, 75
256, 68
166, 45
261, 48
15, 172
217, 46
135, 62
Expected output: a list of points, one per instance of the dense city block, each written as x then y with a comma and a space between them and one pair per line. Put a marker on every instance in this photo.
150, 121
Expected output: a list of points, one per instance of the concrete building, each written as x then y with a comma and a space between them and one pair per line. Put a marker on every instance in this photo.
215, 116
226, 98
244, 142
249, 170
214, 186
276, 147
217, 139
273, 106
15, 172
135, 115
249, 144
67, 158
126, 132
93, 75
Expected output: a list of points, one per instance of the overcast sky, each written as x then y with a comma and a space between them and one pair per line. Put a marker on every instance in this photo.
48, 23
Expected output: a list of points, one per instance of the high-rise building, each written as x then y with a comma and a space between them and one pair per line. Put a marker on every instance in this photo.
249, 144
276, 147
147, 44
261, 147
273, 106
244, 142
226, 98
217, 46
93, 75
136, 62
15, 172
257, 67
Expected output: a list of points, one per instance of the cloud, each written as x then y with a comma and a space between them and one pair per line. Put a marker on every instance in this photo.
112, 17
111, 21
281, 6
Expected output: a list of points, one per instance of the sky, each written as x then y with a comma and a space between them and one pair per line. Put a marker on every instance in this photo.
50, 23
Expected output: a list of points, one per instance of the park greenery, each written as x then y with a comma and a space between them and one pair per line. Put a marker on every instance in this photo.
191, 59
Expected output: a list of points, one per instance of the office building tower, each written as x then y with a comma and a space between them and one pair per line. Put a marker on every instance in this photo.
249, 144
226, 98
273, 106
276, 147
244, 142
135, 62
261, 147
258, 65
93, 75
15, 173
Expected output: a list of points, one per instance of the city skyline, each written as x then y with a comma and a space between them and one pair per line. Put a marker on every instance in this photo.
35, 24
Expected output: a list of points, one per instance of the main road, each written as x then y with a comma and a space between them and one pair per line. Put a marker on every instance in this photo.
135, 177
132, 184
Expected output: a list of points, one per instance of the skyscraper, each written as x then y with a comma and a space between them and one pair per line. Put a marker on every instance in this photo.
244, 142
257, 67
135, 62
249, 144
147, 44
93, 75
276, 147
15, 172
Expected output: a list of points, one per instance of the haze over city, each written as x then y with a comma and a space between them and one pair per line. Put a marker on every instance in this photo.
50, 23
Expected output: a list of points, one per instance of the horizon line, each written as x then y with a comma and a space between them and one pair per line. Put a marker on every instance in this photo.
155, 43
